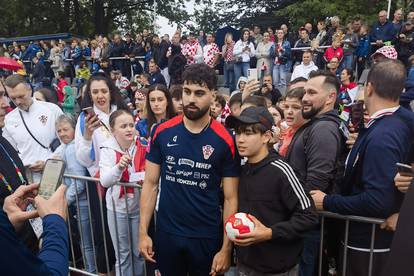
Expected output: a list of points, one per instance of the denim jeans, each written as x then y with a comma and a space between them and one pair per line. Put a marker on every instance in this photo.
310, 253
119, 229
240, 69
85, 230
229, 82
279, 74
37, 85
348, 62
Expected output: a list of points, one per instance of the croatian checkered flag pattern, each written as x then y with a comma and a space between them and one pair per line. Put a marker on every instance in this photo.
209, 52
224, 114
190, 50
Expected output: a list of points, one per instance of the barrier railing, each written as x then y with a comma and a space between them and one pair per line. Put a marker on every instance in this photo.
88, 232
29, 64
373, 221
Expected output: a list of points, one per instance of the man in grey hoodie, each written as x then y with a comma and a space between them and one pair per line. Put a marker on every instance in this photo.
316, 149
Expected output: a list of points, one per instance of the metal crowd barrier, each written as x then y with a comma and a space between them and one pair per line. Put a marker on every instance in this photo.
373, 221
29, 64
74, 267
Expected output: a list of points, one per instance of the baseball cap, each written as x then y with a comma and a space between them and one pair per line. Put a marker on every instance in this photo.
386, 51
252, 115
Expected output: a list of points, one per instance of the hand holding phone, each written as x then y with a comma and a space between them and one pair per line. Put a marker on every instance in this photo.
404, 177
124, 162
357, 116
37, 166
89, 111
252, 75
92, 122
57, 204
51, 177
405, 170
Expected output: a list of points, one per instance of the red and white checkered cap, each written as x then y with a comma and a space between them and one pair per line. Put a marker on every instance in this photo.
386, 51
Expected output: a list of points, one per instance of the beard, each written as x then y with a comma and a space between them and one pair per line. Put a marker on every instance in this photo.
311, 113
196, 114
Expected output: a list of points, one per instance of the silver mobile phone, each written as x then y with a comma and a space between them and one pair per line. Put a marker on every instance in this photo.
51, 177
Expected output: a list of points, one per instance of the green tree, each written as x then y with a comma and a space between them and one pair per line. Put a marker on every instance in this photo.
313, 10
246, 13
84, 17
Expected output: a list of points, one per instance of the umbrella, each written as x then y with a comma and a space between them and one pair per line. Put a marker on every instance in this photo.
9, 64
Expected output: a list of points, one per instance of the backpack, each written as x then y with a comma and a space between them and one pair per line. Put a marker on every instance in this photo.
342, 151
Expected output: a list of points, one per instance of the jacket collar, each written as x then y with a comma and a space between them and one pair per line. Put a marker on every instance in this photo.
381, 113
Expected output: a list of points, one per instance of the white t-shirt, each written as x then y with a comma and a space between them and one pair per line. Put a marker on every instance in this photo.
40, 119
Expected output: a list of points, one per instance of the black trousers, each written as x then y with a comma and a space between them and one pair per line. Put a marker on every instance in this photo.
357, 263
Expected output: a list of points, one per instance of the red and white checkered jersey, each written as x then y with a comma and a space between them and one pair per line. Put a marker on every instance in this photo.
209, 52
192, 51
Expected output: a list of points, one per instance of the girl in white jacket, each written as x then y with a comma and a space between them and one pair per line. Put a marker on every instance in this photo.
123, 160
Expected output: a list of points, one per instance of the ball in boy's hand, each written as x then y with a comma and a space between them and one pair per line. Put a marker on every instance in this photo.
239, 223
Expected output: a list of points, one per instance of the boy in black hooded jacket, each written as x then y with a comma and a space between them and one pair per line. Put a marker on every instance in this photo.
275, 200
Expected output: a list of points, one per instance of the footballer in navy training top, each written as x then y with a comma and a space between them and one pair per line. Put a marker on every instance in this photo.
191, 159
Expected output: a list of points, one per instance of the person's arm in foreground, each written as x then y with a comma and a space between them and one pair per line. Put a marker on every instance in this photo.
53, 257
147, 206
55, 246
221, 261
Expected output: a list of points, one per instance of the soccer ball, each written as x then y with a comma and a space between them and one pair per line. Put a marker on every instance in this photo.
237, 224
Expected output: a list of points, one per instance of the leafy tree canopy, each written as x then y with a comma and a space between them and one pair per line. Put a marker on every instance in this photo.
84, 17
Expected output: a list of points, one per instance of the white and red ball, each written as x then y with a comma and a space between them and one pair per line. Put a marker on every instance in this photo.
239, 223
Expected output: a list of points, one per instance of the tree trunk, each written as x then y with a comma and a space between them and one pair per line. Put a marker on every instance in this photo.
66, 15
99, 12
77, 15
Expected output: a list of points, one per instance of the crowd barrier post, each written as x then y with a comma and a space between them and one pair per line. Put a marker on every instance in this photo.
373, 221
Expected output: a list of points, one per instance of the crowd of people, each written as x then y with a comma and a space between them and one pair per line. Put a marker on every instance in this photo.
300, 137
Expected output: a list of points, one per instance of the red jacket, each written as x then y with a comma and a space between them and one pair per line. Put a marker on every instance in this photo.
331, 52
61, 83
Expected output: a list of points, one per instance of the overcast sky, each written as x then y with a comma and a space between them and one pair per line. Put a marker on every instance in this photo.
166, 28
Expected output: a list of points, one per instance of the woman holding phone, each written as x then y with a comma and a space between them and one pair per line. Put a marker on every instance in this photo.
101, 99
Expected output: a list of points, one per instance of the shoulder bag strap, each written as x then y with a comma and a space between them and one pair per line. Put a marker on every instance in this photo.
31, 134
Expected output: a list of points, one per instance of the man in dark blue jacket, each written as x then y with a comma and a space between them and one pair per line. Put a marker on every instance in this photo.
382, 32
155, 74
31, 51
368, 187
38, 74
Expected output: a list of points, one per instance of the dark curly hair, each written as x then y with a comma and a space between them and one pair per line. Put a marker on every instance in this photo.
200, 74
113, 90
